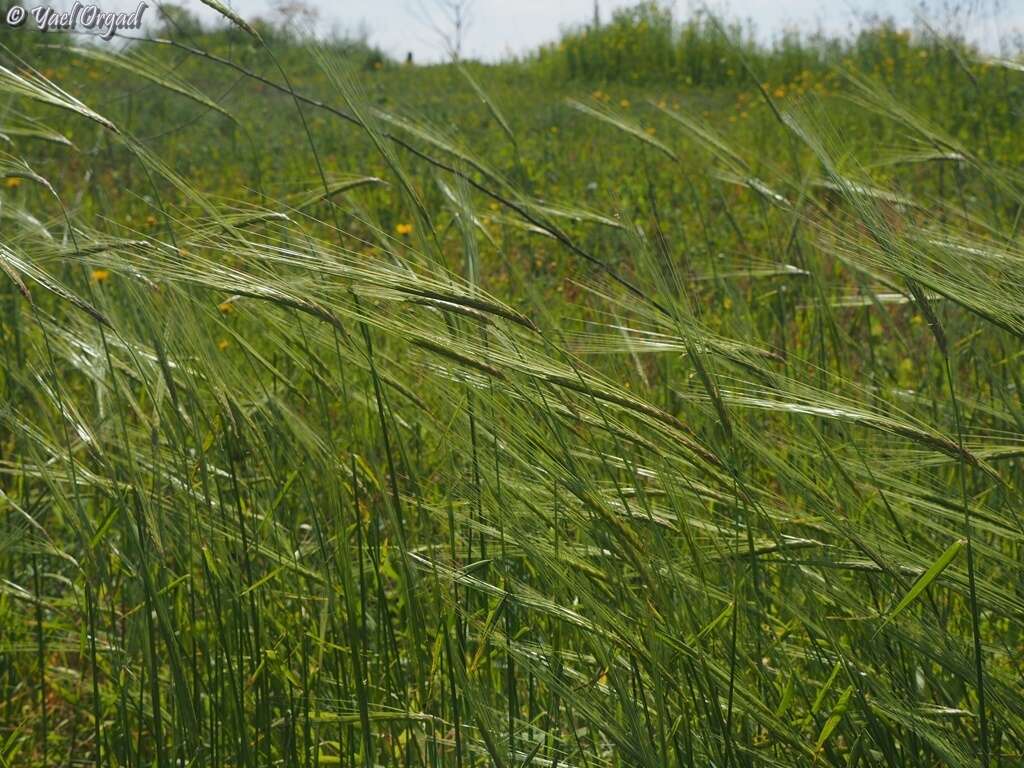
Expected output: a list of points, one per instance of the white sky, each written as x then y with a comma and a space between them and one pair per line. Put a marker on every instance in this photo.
502, 27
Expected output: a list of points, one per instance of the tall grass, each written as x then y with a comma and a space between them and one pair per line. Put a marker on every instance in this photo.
332, 436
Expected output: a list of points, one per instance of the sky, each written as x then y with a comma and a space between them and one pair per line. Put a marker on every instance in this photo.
499, 28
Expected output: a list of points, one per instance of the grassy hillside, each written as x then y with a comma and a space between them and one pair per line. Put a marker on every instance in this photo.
531, 414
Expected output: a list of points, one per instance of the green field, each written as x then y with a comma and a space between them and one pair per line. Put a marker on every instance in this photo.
654, 400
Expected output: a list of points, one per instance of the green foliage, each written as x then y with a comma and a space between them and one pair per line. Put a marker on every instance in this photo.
456, 416
645, 44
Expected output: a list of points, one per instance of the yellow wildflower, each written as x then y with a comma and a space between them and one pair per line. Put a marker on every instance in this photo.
100, 276
12, 181
905, 373
223, 344
403, 229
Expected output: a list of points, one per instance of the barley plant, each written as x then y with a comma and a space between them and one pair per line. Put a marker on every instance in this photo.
652, 400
